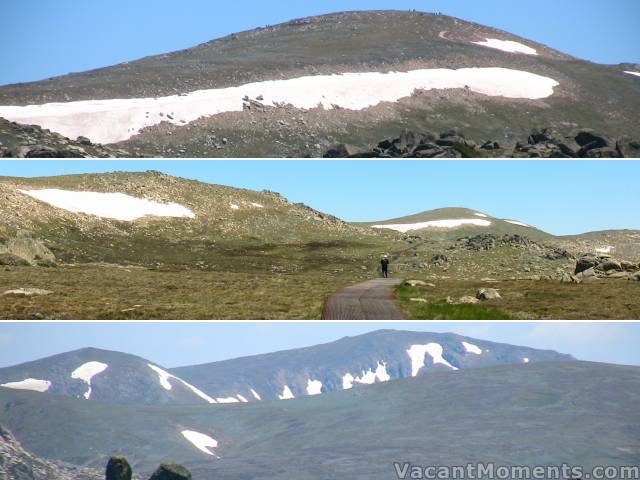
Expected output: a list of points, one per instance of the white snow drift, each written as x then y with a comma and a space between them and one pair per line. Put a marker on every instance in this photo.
314, 387
86, 372
255, 394
368, 377
507, 46
637, 74
407, 227
417, 354
287, 394
480, 215
29, 384
163, 378
115, 120
108, 205
471, 348
201, 441
608, 249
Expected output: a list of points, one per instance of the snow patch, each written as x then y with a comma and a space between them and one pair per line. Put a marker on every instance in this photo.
507, 46
637, 74
227, 400
115, 120
481, 215
255, 394
368, 377
201, 441
607, 249
406, 227
242, 399
347, 381
314, 387
257, 205
108, 205
233, 206
514, 222
29, 384
287, 394
417, 354
471, 348
525, 360
163, 378
86, 372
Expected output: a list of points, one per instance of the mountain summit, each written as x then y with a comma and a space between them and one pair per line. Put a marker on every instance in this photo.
296, 88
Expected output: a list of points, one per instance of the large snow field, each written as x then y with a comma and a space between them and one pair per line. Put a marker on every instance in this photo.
115, 120
453, 223
507, 46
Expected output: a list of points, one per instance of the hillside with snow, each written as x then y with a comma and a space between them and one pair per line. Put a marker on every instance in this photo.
297, 88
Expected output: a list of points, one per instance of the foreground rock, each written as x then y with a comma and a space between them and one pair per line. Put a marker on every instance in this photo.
488, 294
543, 143
31, 141
118, 468
18, 464
171, 472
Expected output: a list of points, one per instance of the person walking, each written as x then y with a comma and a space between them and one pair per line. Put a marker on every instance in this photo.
384, 263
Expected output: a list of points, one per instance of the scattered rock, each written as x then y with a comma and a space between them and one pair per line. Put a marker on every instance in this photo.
171, 472
487, 294
544, 143
118, 468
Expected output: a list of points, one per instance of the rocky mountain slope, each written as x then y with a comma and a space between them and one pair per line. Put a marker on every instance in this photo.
449, 418
382, 356
251, 99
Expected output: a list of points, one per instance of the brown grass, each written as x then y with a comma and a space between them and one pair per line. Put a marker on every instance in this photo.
102, 292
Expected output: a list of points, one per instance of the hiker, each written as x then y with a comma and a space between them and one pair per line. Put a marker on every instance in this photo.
385, 266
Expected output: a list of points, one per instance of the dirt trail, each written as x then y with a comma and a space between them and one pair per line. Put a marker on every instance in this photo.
370, 300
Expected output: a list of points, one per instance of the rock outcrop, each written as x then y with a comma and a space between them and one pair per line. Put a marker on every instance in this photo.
25, 248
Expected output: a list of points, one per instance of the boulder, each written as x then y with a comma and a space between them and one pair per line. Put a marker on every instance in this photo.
118, 468
84, 141
26, 246
415, 283
609, 265
635, 276
585, 263
467, 300
629, 266
171, 472
588, 137
588, 273
487, 294
9, 259
342, 150
27, 292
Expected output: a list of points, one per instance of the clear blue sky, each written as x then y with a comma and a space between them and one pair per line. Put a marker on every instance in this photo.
43, 38
560, 197
184, 343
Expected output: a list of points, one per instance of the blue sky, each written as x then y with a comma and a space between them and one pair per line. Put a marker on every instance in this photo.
46, 38
184, 343
560, 197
